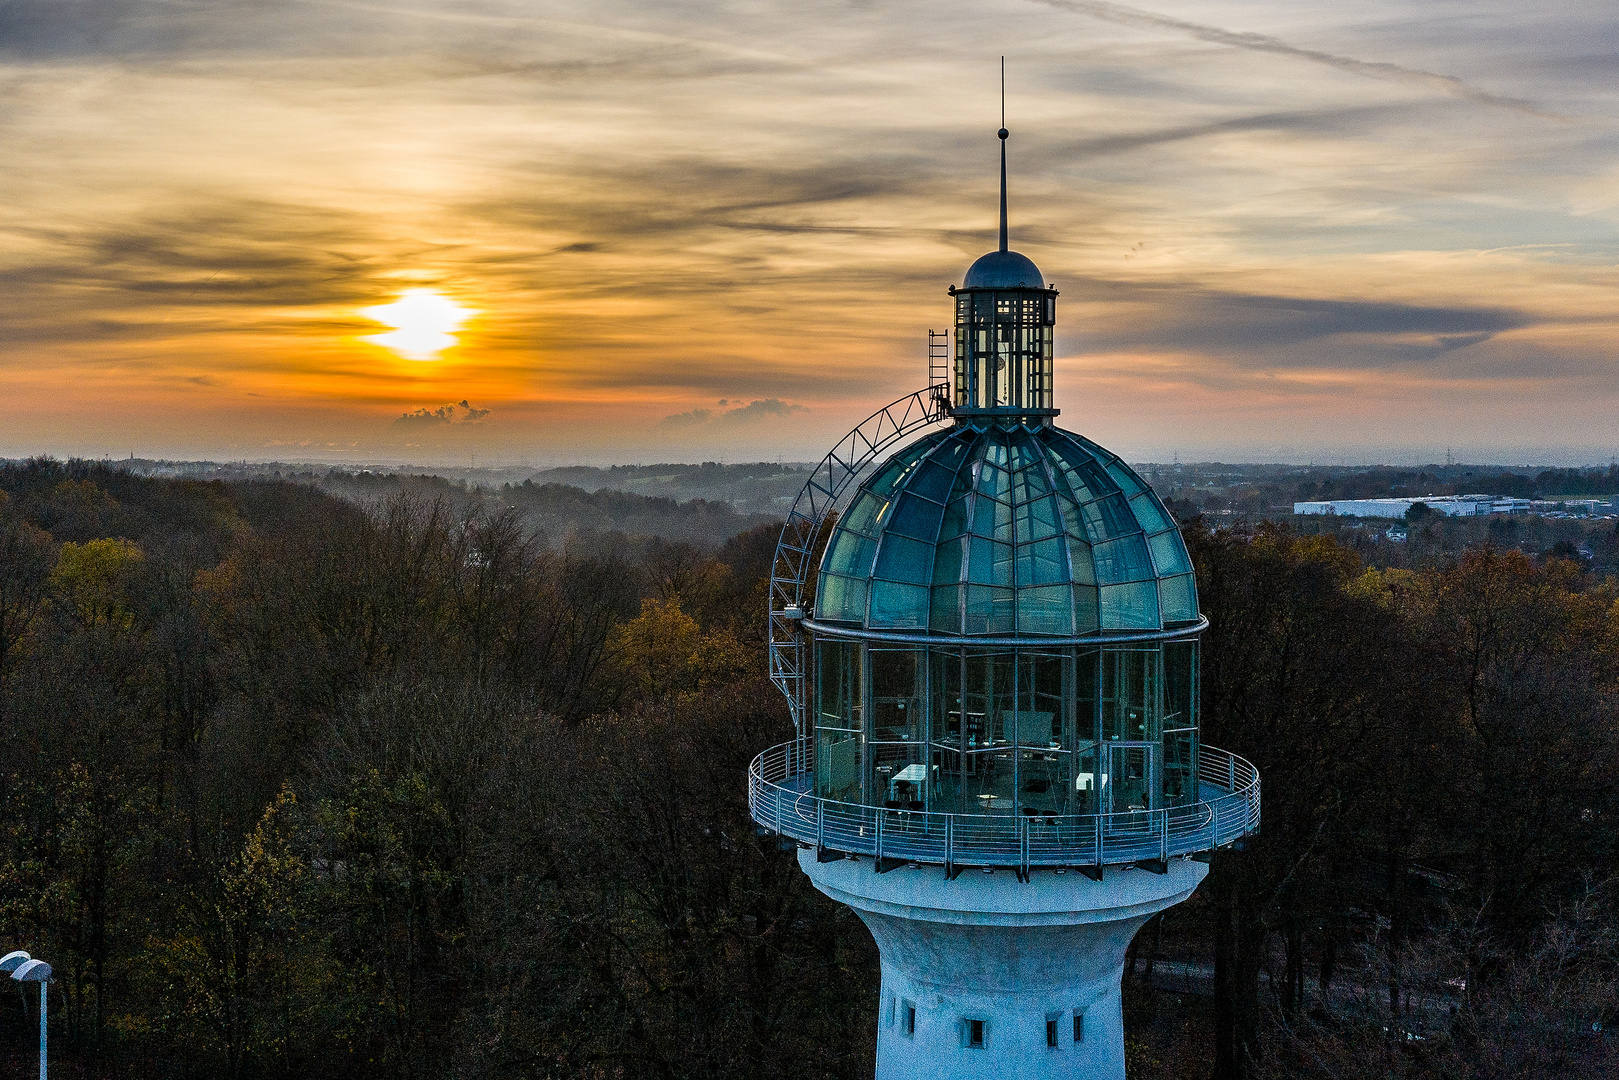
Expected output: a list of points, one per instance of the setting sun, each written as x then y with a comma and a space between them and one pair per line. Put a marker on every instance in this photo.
424, 324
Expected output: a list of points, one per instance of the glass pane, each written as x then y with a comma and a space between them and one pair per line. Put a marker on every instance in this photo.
838, 719
1043, 562
988, 563
945, 760
932, 482
1129, 607
841, 599
849, 553
1169, 554
864, 513
993, 481
949, 455
995, 451
990, 769
1087, 616
955, 520
891, 475
837, 765
1130, 697
896, 695
945, 616
947, 562
989, 610
981, 509
1108, 517
1038, 519
1119, 560
1147, 511
1180, 768
1178, 595
901, 559
1071, 521
917, 518
1047, 609
1081, 565
897, 606
1180, 684
1128, 481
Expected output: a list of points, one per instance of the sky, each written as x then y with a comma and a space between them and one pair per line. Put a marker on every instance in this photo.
635, 231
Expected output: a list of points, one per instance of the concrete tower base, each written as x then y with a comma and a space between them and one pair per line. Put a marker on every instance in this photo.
982, 974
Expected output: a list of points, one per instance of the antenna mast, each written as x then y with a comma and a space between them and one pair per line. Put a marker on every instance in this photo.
1003, 133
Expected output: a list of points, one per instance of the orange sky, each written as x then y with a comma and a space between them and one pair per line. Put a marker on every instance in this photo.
1357, 232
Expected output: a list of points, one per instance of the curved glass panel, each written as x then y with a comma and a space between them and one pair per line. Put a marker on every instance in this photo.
1150, 513
1108, 517
1169, 554
1045, 610
1124, 559
952, 525
1042, 563
864, 513
947, 563
904, 559
841, 599
897, 606
1177, 597
849, 553
1129, 607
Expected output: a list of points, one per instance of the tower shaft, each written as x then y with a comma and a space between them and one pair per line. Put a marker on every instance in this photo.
986, 976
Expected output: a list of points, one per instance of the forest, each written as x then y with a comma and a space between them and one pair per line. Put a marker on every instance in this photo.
297, 786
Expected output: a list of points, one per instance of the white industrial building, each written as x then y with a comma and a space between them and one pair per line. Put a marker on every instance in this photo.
1448, 505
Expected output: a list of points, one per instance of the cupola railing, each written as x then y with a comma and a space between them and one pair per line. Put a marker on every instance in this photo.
781, 798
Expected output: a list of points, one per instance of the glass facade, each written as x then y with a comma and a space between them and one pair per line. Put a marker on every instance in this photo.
1006, 530
1026, 730
1003, 348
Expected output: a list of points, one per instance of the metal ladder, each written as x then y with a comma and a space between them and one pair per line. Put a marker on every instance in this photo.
939, 364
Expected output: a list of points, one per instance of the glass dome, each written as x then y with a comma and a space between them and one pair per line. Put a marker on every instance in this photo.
1023, 530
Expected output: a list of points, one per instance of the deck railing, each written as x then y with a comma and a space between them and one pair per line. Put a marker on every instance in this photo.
781, 798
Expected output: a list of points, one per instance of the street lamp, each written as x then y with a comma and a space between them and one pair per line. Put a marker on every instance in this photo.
24, 968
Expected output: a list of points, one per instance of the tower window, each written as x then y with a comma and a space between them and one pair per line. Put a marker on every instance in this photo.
907, 1018
1079, 1026
1051, 1033
972, 1033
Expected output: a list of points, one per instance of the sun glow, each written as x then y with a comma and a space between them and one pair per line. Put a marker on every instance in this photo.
424, 324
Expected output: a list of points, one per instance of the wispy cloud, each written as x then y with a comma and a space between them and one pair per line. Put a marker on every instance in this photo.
1265, 43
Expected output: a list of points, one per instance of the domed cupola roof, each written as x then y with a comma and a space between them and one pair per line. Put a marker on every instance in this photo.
1003, 270
1006, 530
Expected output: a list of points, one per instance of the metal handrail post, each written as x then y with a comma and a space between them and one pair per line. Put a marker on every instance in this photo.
879, 830
820, 825
1163, 837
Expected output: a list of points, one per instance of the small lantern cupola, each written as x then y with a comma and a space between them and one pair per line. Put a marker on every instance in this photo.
1005, 319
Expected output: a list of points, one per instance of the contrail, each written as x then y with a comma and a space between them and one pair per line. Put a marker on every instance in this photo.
1447, 84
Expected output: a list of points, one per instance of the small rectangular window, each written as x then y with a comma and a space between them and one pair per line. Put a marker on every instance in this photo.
972, 1034
1051, 1034
908, 1019
1079, 1027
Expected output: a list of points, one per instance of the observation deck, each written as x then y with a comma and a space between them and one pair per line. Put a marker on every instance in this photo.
781, 798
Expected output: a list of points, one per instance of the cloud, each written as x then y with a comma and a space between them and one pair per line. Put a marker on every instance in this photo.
741, 416
459, 412
1271, 331
1446, 84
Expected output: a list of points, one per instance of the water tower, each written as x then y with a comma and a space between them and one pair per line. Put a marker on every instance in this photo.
995, 692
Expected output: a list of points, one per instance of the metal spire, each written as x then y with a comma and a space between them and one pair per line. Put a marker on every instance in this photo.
1003, 133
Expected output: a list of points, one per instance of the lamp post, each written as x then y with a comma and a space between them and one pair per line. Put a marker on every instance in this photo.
24, 968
